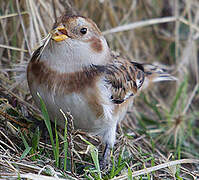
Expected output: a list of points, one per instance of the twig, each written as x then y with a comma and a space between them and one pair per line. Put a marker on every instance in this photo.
177, 25
15, 149
160, 166
5, 37
12, 48
54, 9
194, 26
35, 22
190, 99
12, 15
7, 146
20, 99
12, 119
140, 24
23, 27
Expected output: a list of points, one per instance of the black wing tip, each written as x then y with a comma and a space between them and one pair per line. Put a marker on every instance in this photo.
117, 101
138, 65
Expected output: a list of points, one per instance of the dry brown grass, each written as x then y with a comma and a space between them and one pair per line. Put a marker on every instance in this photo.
164, 123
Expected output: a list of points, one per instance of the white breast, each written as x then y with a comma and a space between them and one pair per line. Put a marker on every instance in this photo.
77, 105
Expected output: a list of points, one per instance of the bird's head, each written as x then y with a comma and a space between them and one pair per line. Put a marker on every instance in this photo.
75, 42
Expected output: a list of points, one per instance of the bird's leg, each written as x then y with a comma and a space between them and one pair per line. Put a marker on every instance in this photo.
109, 141
106, 157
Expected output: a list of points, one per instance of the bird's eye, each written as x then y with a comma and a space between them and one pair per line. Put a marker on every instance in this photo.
83, 30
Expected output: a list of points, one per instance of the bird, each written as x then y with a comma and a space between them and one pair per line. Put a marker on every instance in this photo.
76, 71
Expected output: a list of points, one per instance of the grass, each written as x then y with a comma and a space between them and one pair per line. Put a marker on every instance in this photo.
158, 138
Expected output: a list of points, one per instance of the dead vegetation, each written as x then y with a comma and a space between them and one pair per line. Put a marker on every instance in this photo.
159, 137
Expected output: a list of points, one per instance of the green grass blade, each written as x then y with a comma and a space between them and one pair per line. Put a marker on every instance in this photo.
45, 115
25, 153
153, 106
28, 149
65, 140
24, 140
177, 97
57, 146
94, 155
184, 94
35, 139
18, 176
178, 177
129, 174
47, 123
35, 143
119, 169
119, 159
113, 168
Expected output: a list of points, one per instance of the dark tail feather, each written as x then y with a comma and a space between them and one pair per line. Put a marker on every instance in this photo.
155, 73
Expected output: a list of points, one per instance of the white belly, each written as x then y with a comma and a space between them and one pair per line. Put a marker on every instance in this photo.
75, 103
83, 116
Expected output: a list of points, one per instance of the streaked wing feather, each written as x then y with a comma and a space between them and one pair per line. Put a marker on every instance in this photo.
124, 78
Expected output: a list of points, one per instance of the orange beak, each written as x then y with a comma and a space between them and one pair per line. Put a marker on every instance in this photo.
59, 33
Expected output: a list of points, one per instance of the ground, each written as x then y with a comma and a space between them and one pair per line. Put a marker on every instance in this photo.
158, 138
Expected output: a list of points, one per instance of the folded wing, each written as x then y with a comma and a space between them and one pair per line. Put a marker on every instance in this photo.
125, 78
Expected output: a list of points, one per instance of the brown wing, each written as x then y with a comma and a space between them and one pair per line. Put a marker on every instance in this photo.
124, 78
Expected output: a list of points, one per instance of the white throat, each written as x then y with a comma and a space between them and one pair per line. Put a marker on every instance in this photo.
72, 55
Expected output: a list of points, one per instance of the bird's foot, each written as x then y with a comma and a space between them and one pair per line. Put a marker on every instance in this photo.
105, 161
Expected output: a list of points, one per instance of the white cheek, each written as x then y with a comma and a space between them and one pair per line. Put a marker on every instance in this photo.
71, 55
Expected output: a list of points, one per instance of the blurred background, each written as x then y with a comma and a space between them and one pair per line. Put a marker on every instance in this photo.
164, 122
